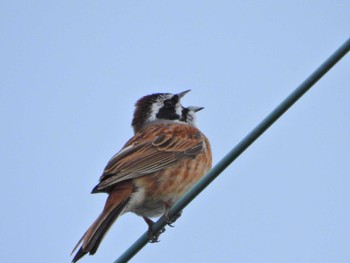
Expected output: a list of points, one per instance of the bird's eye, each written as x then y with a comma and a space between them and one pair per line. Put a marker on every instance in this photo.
168, 104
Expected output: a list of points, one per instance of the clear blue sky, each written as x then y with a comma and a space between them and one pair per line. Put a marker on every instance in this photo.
71, 72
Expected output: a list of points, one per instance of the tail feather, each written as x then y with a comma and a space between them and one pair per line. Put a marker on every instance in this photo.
114, 207
105, 225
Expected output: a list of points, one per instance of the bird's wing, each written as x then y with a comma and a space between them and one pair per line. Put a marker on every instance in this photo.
155, 148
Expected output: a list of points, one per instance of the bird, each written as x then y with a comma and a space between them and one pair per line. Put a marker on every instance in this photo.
164, 158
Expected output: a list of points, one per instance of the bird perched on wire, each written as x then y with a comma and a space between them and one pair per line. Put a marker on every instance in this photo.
164, 158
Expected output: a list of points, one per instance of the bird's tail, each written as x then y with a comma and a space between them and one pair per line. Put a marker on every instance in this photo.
116, 203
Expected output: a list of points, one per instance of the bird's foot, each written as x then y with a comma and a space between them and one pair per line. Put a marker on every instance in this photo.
152, 236
170, 220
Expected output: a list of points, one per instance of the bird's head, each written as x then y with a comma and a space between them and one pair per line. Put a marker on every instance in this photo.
163, 107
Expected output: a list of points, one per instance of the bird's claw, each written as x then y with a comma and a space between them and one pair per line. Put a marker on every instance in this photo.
153, 237
170, 220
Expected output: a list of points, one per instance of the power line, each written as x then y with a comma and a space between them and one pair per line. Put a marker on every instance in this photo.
239, 148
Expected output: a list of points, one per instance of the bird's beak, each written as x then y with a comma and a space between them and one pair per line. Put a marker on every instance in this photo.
181, 94
195, 109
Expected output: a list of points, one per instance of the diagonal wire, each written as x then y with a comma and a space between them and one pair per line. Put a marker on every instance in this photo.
239, 148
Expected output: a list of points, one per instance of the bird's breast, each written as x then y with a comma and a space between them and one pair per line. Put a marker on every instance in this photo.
167, 186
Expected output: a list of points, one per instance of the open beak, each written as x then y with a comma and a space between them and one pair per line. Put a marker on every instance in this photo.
181, 94
195, 109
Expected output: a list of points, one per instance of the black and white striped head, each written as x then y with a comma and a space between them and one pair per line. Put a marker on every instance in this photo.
163, 107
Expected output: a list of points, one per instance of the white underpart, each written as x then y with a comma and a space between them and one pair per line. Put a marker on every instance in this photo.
136, 200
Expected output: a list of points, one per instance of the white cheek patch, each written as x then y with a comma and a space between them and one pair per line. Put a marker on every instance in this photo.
191, 118
178, 109
154, 110
156, 106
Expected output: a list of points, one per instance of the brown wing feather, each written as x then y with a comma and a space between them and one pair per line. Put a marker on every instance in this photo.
155, 148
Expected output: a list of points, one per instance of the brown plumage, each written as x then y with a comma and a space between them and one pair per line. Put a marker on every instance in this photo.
155, 167
115, 205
